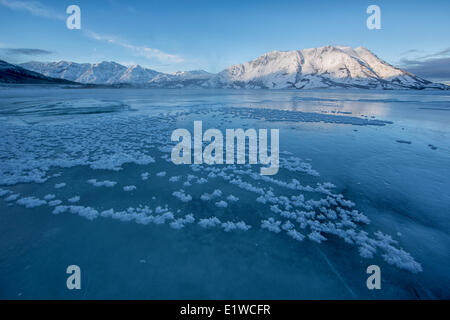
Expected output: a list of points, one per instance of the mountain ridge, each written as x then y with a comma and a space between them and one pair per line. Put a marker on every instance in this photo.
322, 67
10, 73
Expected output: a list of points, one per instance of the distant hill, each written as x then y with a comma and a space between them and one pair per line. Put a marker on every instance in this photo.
10, 73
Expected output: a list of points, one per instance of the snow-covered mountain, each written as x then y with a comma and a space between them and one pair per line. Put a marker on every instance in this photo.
10, 73
98, 73
324, 67
114, 73
136, 74
181, 79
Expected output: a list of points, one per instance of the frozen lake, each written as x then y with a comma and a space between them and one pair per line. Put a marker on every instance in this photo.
86, 179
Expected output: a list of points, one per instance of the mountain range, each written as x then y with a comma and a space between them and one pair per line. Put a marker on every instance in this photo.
323, 67
10, 73
114, 73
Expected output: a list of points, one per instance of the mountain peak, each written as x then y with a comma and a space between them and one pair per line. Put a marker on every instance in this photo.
331, 66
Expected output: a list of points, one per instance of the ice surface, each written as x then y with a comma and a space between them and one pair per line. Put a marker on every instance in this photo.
343, 199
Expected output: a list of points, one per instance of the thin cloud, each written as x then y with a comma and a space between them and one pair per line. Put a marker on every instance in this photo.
34, 7
26, 51
146, 52
434, 66
424, 55
411, 51
38, 9
437, 68
441, 53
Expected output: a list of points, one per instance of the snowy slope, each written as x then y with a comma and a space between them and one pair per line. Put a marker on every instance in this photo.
136, 74
104, 72
63, 69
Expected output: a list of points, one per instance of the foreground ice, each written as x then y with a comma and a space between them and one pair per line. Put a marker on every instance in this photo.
343, 199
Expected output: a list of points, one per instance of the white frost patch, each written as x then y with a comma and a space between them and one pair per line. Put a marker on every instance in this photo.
182, 195
160, 209
12, 197
394, 256
206, 196
221, 204
60, 209
174, 179
74, 199
86, 212
31, 202
106, 183
232, 198
230, 226
316, 237
54, 203
295, 235
181, 222
209, 222
271, 225
141, 215
4, 192
287, 225
162, 218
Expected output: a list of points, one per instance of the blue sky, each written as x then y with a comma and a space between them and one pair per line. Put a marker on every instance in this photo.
211, 35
